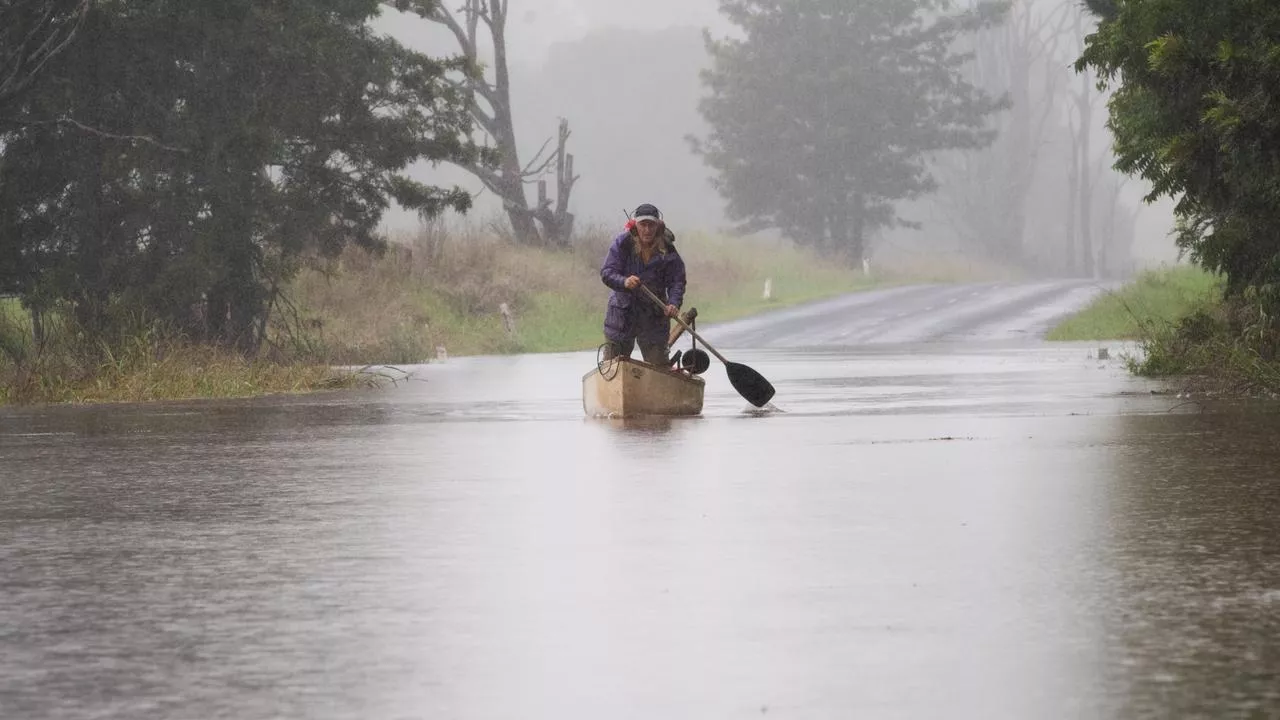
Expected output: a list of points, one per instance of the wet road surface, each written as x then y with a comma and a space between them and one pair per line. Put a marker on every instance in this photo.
977, 529
978, 312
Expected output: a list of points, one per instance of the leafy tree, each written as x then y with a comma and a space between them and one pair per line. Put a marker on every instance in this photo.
185, 156
1196, 87
822, 117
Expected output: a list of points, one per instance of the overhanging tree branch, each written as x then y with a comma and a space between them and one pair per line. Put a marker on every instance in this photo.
72, 122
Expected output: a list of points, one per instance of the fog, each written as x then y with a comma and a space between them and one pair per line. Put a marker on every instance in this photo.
626, 77
627, 81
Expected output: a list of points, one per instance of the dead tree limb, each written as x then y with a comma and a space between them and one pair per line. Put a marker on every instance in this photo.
479, 27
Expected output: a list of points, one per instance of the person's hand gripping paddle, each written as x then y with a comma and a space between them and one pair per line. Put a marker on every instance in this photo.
749, 383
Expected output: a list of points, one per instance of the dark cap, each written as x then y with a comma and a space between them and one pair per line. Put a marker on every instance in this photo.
646, 212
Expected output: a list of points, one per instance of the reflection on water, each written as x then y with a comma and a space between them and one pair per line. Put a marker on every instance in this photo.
1000, 532
639, 426
1193, 604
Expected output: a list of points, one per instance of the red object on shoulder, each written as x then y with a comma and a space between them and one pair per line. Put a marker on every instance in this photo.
631, 225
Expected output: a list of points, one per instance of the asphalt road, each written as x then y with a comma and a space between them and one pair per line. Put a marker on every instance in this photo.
915, 314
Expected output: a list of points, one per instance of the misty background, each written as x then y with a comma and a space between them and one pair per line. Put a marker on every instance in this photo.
626, 77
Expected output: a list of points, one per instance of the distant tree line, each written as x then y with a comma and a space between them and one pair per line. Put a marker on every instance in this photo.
1044, 196
175, 161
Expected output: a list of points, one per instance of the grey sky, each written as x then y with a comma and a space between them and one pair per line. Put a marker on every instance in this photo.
534, 29
534, 25
680, 182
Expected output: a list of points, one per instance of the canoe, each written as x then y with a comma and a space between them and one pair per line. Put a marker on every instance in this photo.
623, 387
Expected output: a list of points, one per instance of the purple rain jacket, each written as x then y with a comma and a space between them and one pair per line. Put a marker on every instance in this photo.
632, 314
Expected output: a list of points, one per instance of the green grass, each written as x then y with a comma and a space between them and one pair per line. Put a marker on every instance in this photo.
446, 292
11, 310
15, 335
1230, 347
1155, 299
1188, 331
555, 323
161, 371
143, 367
726, 282
733, 275
437, 290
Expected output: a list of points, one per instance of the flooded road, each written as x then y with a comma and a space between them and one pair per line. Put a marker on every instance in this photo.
976, 529
951, 313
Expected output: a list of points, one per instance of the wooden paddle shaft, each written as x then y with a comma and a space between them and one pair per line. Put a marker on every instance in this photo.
749, 383
690, 330
678, 330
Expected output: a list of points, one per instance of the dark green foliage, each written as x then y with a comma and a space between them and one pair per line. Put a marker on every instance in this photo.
823, 115
32, 32
1194, 113
179, 158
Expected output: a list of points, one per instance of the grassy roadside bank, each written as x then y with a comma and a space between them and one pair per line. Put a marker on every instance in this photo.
446, 291
1152, 301
144, 367
433, 290
1188, 332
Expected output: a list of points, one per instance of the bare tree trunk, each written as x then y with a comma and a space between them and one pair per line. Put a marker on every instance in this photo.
37, 329
857, 229
1022, 164
834, 236
1083, 185
1115, 245
513, 197
986, 194
1069, 263
1086, 178
557, 222
92, 287
237, 297
491, 108
846, 228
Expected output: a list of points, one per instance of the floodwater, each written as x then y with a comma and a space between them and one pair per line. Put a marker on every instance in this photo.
1001, 530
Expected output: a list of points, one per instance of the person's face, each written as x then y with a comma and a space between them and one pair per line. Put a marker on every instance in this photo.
648, 230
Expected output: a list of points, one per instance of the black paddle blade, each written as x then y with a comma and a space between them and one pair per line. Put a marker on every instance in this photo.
749, 384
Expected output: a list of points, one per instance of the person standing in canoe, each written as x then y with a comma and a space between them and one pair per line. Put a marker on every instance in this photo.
644, 252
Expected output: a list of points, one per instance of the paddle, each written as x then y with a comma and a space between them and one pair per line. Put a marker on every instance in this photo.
749, 383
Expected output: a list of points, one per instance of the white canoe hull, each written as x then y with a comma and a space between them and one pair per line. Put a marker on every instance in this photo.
624, 388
